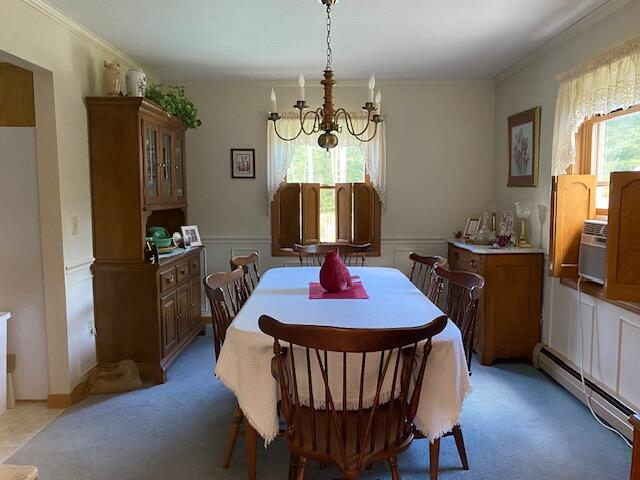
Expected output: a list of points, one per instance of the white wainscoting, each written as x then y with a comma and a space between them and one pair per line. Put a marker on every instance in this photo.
394, 251
80, 319
611, 340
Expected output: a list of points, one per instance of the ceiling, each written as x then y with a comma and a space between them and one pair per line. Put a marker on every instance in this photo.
278, 39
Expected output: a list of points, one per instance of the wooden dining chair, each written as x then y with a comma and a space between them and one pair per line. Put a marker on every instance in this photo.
422, 271
459, 293
226, 293
323, 429
251, 268
313, 255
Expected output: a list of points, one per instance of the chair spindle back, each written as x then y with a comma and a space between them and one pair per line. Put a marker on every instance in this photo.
227, 294
349, 396
313, 255
251, 267
462, 295
422, 272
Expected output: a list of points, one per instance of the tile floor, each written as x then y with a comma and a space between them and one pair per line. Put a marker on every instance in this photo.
19, 425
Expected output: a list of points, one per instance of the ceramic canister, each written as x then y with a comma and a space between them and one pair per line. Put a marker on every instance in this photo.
136, 83
111, 77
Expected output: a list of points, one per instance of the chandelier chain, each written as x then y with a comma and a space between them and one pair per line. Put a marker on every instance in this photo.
329, 52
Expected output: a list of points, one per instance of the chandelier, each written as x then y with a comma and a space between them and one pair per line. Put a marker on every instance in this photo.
326, 119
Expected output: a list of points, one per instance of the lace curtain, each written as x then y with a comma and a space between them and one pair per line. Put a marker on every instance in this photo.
280, 152
608, 83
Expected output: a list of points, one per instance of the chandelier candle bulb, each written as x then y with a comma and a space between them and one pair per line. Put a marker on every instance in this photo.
379, 102
372, 86
301, 87
274, 104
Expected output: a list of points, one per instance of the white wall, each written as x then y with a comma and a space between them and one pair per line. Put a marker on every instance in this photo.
21, 284
67, 64
614, 333
439, 162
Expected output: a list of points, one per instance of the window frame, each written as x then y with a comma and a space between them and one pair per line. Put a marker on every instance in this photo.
588, 140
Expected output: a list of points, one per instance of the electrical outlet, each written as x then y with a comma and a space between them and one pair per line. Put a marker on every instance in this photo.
74, 225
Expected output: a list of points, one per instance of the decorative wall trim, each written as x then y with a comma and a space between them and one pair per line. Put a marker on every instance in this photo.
222, 239
78, 265
585, 22
79, 30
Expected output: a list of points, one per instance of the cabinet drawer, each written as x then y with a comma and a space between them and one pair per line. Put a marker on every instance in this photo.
194, 265
182, 269
168, 279
464, 260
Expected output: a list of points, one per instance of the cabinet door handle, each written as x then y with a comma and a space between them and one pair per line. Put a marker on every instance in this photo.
473, 262
182, 272
171, 279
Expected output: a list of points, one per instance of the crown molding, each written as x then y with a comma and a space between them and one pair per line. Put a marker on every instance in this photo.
314, 83
581, 25
79, 30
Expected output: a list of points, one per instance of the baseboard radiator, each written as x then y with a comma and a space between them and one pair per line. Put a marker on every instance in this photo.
608, 407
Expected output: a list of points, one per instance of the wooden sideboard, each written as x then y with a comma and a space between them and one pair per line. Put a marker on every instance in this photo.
145, 310
511, 306
635, 459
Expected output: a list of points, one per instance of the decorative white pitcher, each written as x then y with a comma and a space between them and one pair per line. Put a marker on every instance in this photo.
111, 77
136, 83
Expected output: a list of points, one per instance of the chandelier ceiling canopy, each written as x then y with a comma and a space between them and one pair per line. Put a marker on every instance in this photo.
326, 118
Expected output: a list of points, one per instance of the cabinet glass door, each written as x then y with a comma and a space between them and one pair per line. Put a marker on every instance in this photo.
166, 169
179, 167
150, 142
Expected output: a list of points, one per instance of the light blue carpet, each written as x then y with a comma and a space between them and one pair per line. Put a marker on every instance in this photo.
517, 424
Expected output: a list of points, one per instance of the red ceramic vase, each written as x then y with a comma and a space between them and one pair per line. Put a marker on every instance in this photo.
334, 274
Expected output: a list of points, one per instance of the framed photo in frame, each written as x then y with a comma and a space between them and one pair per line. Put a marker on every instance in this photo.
191, 236
243, 163
524, 148
473, 223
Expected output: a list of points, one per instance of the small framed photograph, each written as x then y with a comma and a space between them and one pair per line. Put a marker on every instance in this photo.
243, 163
524, 146
473, 223
191, 236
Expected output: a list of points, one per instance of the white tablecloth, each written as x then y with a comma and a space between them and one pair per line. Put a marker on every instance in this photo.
244, 365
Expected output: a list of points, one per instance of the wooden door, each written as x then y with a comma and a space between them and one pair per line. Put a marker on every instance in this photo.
150, 161
196, 301
169, 319
285, 217
180, 187
184, 310
623, 239
166, 170
573, 201
365, 201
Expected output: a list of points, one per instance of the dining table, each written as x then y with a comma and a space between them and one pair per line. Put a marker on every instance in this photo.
244, 364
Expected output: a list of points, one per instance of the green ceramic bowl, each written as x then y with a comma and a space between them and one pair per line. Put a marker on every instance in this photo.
163, 242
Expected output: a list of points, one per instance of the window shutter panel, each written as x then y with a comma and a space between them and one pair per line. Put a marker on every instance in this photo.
573, 202
366, 206
344, 216
310, 213
285, 216
623, 241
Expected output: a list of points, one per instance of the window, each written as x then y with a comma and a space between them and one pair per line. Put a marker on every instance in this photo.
311, 164
609, 143
327, 198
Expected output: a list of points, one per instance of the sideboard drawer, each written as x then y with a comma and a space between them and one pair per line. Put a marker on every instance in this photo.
182, 270
168, 279
194, 265
463, 260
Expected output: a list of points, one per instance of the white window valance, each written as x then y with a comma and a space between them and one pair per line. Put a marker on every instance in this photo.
279, 152
608, 83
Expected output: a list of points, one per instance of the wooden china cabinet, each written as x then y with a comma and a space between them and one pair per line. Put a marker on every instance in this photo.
145, 310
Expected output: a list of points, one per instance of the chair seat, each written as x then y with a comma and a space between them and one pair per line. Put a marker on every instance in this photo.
18, 472
327, 446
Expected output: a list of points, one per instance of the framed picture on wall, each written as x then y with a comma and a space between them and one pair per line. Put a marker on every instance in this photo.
243, 163
524, 146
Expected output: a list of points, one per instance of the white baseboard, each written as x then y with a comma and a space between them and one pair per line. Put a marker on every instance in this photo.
601, 406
